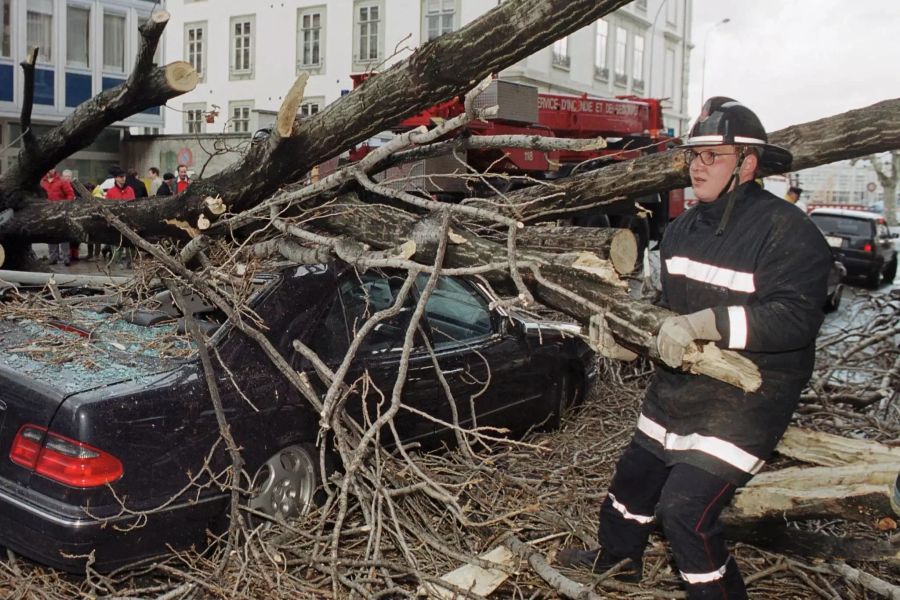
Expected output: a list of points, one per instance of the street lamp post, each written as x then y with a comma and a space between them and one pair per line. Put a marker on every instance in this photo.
703, 69
652, 46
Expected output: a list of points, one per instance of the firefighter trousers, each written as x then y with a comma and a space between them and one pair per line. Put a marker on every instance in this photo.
687, 502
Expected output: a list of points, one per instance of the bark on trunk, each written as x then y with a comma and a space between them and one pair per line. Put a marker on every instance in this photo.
618, 246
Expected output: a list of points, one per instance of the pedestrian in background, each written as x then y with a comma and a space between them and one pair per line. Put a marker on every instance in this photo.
154, 181
746, 271
168, 184
74, 245
183, 180
131, 179
57, 188
120, 189
793, 196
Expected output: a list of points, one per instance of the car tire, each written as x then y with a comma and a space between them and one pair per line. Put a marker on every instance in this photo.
833, 302
286, 485
873, 278
891, 271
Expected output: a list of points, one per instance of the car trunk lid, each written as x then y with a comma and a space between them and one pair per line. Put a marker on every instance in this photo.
44, 360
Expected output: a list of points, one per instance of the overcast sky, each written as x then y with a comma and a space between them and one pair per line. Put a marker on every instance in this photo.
793, 61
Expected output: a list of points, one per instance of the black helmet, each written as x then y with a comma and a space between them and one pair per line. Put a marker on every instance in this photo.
726, 121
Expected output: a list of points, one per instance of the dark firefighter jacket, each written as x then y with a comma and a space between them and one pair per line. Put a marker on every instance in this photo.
765, 279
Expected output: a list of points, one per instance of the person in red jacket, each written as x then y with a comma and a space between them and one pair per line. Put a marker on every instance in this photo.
120, 190
183, 180
57, 188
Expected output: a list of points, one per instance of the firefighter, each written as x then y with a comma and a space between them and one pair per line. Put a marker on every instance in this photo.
747, 271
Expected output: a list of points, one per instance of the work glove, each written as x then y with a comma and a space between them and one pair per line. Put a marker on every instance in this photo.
602, 341
679, 332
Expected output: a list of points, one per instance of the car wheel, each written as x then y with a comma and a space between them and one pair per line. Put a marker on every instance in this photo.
834, 300
285, 485
873, 278
891, 272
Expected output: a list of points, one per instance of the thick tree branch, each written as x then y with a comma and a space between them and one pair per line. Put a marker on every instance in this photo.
146, 87
28, 99
858, 132
441, 69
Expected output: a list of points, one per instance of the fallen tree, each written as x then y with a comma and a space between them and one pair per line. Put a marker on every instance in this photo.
222, 227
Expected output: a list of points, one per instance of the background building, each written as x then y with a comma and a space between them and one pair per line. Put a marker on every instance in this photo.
841, 183
248, 54
86, 46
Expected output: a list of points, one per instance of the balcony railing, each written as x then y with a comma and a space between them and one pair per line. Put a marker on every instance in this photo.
601, 73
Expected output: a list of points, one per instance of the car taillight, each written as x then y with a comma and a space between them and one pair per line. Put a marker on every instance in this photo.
867, 248
62, 459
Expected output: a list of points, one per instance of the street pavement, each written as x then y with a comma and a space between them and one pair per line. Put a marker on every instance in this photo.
95, 266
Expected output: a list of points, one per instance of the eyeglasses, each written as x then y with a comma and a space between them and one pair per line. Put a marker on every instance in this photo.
707, 157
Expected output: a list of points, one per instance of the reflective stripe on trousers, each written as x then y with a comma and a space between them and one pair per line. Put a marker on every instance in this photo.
716, 447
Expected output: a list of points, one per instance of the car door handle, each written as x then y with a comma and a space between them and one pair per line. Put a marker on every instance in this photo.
452, 371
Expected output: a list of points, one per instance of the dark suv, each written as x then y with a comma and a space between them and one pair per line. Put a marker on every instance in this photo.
862, 242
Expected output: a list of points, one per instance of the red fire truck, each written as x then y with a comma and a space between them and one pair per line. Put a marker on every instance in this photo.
632, 126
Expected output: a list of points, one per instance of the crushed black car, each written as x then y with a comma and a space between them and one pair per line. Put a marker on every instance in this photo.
107, 431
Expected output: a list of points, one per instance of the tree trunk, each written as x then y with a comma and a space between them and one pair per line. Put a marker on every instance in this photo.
857, 492
618, 246
865, 130
854, 484
828, 450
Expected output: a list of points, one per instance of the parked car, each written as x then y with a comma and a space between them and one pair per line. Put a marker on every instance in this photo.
863, 241
105, 414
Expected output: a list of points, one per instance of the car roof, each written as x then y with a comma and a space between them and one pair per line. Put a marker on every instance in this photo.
845, 212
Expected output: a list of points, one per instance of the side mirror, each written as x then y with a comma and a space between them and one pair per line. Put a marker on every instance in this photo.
893, 236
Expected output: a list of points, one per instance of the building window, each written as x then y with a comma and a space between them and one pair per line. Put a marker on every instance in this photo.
240, 115
195, 46
672, 12
637, 65
242, 45
601, 59
310, 107
561, 53
194, 118
39, 28
310, 37
6, 28
621, 47
114, 42
78, 37
440, 18
368, 31
669, 77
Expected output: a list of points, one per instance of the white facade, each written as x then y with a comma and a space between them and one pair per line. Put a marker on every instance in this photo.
841, 182
85, 46
249, 53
